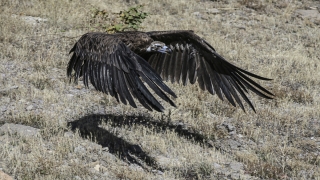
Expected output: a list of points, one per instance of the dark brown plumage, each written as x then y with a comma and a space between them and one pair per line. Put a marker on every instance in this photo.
119, 64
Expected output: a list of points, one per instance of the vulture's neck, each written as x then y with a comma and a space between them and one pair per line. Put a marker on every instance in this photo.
137, 41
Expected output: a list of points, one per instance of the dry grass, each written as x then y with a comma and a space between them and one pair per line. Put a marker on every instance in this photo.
280, 141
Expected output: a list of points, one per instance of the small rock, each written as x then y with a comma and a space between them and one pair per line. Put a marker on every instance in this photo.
106, 174
97, 167
94, 157
236, 166
308, 13
197, 14
164, 161
254, 42
22, 101
30, 19
70, 95
80, 149
4, 176
233, 144
3, 108
6, 90
240, 26
93, 146
210, 143
92, 170
5, 100
235, 176
216, 166
68, 134
20, 129
109, 156
231, 129
159, 172
29, 108
213, 11
200, 16
135, 167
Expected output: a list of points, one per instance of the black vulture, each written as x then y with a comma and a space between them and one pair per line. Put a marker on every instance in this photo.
121, 64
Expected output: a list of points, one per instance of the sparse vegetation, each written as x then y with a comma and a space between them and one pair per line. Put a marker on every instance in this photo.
126, 20
84, 134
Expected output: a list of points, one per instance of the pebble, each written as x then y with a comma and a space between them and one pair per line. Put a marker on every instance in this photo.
20, 129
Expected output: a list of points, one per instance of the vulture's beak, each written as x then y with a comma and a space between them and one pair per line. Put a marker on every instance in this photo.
157, 46
164, 49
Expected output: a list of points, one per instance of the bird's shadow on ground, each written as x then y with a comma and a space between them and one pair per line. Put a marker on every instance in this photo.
88, 126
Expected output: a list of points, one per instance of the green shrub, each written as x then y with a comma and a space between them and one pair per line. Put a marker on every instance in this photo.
127, 20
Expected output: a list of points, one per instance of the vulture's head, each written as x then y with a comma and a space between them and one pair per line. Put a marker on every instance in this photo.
157, 46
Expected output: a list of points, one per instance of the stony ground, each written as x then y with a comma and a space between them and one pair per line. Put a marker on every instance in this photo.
53, 129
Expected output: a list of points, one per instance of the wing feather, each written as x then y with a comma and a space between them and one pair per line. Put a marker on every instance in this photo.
226, 90
240, 90
235, 95
172, 67
185, 69
192, 66
160, 62
85, 73
217, 83
136, 92
167, 65
154, 60
206, 75
178, 63
196, 60
112, 68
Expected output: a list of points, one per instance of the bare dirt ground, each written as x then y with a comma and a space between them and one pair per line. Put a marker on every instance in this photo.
53, 129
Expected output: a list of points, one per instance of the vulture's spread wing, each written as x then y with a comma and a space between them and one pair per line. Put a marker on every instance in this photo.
114, 69
193, 59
